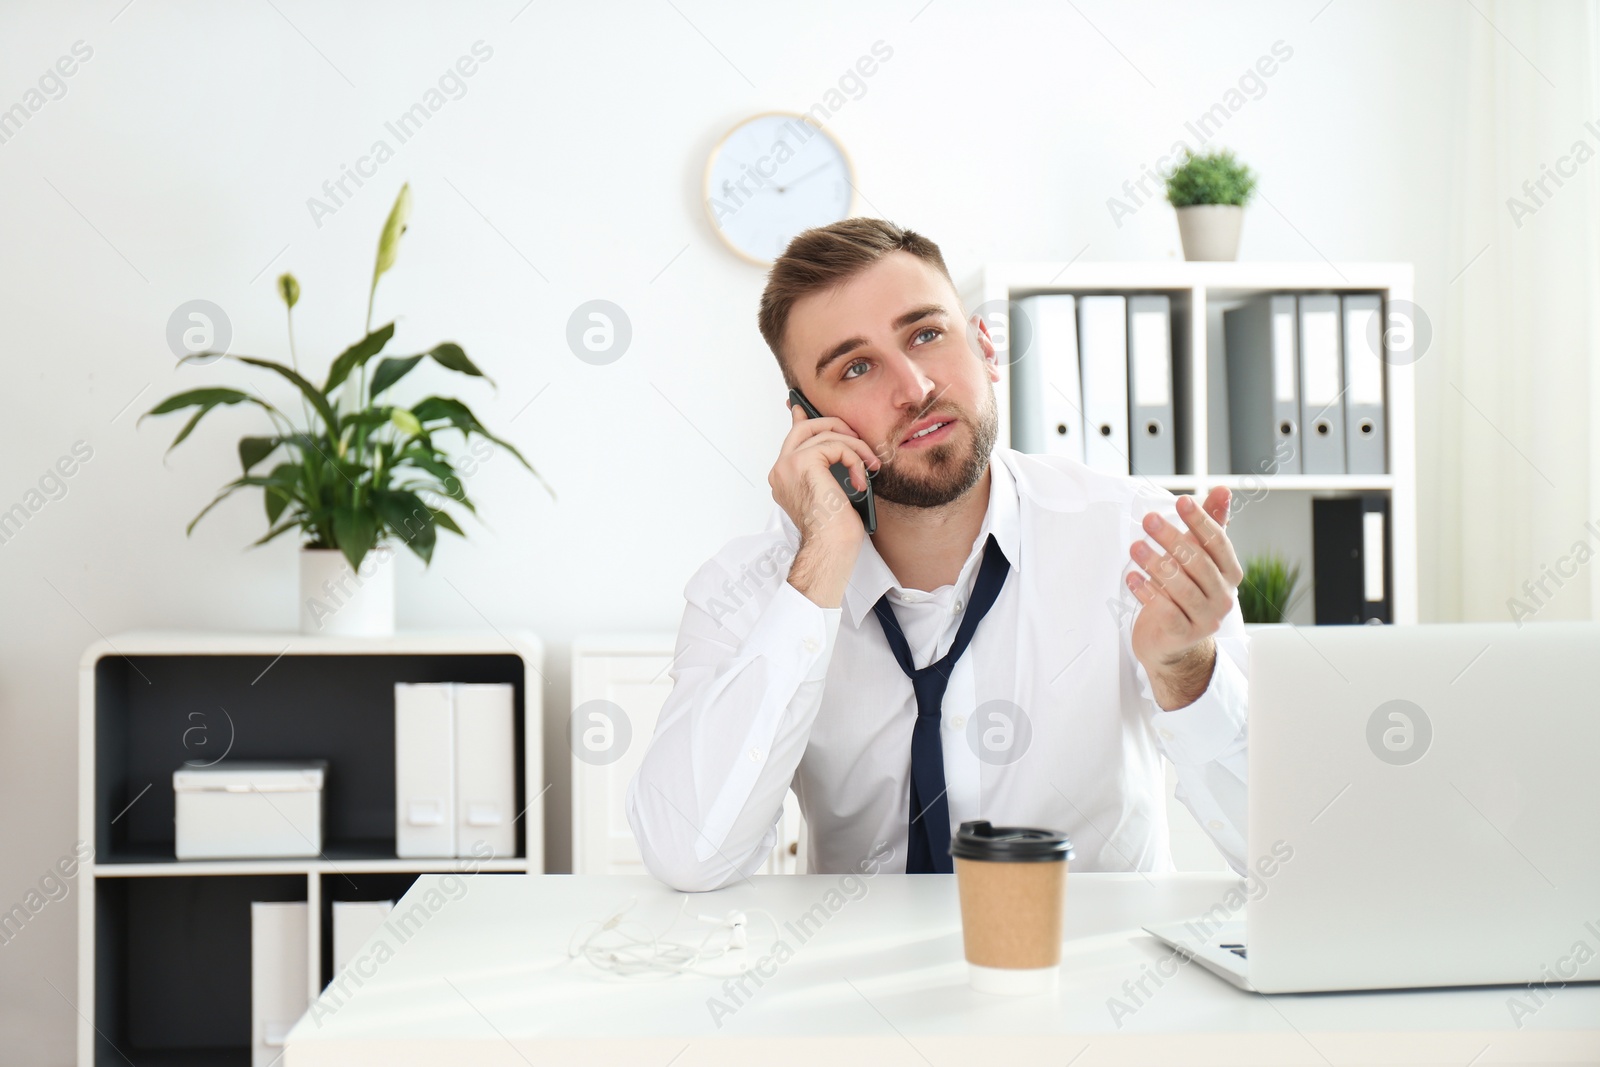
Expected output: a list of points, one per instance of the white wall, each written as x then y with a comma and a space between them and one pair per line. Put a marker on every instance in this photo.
179, 162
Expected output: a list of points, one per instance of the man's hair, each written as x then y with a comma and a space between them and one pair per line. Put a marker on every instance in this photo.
825, 257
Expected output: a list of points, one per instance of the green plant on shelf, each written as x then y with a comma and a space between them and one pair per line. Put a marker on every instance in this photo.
1267, 588
355, 471
1212, 178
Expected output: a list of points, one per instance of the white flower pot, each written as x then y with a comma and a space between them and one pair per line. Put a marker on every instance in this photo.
1210, 231
338, 602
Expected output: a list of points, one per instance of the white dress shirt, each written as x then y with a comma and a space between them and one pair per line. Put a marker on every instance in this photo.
771, 690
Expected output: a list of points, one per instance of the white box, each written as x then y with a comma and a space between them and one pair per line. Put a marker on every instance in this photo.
485, 775
354, 923
424, 770
280, 990
249, 809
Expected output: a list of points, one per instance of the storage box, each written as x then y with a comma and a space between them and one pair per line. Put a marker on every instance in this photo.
245, 810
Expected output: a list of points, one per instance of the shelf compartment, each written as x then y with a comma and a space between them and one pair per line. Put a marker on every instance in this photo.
172, 968
154, 712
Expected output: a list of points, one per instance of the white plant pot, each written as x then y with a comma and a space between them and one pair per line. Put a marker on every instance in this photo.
338, 602
1210, 231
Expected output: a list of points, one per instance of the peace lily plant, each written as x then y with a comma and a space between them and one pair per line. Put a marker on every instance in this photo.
356, 472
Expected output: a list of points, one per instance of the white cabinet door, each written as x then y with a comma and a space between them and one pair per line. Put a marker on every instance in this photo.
618, 688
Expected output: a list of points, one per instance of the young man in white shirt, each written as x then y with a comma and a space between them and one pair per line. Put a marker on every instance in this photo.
1105, 632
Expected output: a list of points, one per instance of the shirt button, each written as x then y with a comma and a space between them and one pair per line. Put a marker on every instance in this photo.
755, 755
1166, 735
809, 644
1215, 824
957, 609
958, 722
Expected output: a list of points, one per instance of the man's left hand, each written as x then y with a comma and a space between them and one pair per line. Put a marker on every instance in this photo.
1186, 591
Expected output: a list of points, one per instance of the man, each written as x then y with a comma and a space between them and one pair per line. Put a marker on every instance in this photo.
1021, 640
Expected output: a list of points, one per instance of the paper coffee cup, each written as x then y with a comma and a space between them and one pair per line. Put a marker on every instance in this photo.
1012, 881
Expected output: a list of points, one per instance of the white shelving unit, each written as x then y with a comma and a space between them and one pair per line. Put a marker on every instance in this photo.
1277, 515
280, 695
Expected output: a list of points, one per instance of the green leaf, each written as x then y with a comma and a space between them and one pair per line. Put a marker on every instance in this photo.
204, 400
457, 414
356, 355
290, 525
437, 466
391, 370
253, 450
410, 519
442, 519
227, 491
208, 397
450, 356
289, 289
279, 495
356, 530
405, 422
448, 409
368, 418
308, 390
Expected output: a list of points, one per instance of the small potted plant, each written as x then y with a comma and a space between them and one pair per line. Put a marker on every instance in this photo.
1209, 192
355, 473
1267, 589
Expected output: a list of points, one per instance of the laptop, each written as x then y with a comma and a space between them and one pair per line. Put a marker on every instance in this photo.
1424, 811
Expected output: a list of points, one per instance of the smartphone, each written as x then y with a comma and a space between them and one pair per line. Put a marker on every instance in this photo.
861, 498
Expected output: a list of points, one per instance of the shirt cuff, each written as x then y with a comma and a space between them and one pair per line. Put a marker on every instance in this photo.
1199, 732
796, 624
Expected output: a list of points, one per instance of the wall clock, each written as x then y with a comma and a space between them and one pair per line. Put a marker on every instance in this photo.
772, 176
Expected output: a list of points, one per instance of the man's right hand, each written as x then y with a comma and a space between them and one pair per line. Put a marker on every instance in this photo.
804, 486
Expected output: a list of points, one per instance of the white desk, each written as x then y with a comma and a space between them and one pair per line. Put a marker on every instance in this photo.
483, 977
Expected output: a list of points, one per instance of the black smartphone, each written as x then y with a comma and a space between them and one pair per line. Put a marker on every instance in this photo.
861, 498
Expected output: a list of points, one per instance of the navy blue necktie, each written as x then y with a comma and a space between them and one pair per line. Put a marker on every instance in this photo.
928, 840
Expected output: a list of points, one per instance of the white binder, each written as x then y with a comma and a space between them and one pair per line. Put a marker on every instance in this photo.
424, 770
354, 922
1046, 386
485, 774
1321, 385
1263, 386
280, 974
1103, 349
1363, 372
1151, 439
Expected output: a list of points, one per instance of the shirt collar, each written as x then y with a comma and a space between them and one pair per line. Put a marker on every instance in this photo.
872, 577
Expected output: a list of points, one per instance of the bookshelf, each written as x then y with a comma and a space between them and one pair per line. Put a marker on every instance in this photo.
164, 944
1271, 511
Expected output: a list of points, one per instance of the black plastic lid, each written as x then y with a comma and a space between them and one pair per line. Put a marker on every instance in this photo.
977, 840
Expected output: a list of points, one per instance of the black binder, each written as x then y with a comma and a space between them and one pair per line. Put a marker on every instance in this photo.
1343, 538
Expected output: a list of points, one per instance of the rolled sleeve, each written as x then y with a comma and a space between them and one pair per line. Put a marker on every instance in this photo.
1208, 727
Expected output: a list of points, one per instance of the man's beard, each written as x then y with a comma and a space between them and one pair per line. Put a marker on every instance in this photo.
952, 470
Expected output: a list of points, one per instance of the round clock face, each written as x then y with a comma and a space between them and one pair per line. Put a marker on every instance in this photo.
771, 177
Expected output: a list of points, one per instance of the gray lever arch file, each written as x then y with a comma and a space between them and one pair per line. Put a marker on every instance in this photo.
1363, 373
1263, 386
1150, 426
1321, 385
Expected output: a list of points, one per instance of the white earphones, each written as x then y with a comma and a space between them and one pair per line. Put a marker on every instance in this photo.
736, 923
636, 952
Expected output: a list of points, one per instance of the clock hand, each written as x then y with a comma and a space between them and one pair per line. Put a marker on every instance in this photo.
803, 177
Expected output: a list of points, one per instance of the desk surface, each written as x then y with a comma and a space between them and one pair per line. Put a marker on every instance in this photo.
479, 972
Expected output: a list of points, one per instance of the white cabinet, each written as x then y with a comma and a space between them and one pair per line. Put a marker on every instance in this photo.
619, 685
